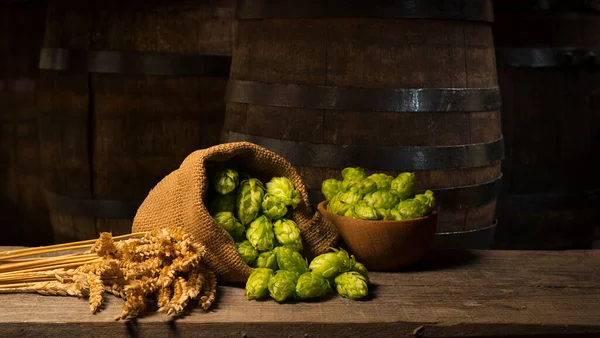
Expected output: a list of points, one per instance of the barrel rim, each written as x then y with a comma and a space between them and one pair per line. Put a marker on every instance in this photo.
414, 100
393, 158
131, 62
545, 57
480, 239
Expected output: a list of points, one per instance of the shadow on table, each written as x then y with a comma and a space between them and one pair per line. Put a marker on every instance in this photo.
444, 259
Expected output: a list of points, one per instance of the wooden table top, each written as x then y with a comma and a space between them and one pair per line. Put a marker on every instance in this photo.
450, 294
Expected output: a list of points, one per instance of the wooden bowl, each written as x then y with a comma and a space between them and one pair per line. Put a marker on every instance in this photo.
385, 245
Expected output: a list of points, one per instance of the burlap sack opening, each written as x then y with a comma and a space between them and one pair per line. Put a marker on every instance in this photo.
179, 200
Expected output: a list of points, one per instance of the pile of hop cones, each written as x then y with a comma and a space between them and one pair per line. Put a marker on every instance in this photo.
165, 263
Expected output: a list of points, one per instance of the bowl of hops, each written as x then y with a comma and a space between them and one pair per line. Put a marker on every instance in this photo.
381, 218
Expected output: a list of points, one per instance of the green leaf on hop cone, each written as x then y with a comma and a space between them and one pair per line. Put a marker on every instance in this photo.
332, 187
366, 186
226, 181
312, 286
352, 285
427, 199
249, 200
337, 207
405, 185
385, 199
266, 260
383, 181
288, 259
282, 286
288, 234
353, 174
273, 207
411, 208
366, 212
283, 188
331, 264
228, 221
260, 234
257, 285
247, 252
352, 196
362, 269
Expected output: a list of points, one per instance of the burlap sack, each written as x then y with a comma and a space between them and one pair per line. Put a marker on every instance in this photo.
178, 200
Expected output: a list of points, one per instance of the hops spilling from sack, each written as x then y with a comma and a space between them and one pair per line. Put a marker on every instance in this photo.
255, 215
165, 264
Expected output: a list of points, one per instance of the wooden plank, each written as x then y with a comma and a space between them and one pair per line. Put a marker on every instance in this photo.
451, 293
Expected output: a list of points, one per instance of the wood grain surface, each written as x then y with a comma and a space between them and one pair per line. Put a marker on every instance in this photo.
449, 294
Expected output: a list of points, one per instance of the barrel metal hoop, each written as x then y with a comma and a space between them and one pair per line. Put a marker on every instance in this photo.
469, 196
92, 207
143, 63
18, 85
541, 57
550, 6
467, 10
480, 239
304, 154
512, 203
425, 100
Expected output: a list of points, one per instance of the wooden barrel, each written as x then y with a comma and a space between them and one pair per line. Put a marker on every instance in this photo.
548, 56
129, 90
388, 86
23, 215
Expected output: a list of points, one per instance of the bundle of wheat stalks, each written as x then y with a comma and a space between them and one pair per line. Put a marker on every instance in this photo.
165, 263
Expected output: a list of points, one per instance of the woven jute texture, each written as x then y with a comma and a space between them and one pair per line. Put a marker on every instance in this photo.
178, 200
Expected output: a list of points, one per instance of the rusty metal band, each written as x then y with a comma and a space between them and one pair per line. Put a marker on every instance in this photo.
467, 10
304, 154
364, 99
513, 203
134, 62
549, 5
19, 85
480, 239
449, 198
92, 207
541, 57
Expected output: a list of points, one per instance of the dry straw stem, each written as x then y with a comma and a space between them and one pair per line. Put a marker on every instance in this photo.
59, 247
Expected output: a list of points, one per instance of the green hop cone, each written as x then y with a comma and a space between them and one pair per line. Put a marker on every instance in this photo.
411, 208
353, 174
288, 259
351, 196
427, 199
283, 188
288, 234
331, 264
393, 215
405, 185
384, 213
366, 186
335, 206
225, 181
282, 286
360, 268
222, 203
331, 187
385, 199
383, 181
266, 260
352, 285
366, 212
312, 286
273, 207
257, 285
249, 200
247, 251
228, 221
260, 234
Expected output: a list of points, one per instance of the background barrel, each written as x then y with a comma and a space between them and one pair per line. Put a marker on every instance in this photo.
549, 74
129, 89
388, 86
23, 215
